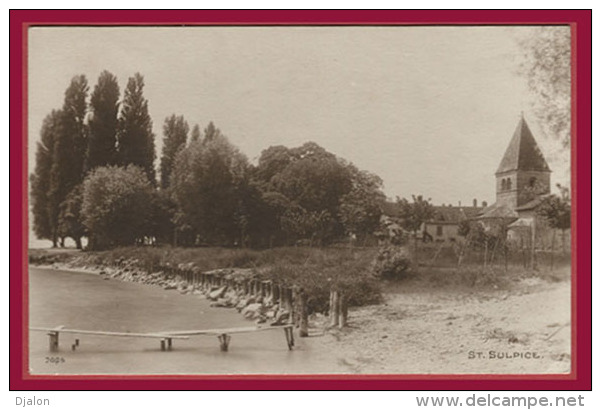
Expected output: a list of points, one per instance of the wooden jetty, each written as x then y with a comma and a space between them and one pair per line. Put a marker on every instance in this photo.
223, 335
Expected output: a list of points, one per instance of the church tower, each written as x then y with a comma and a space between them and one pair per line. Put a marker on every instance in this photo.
523, 170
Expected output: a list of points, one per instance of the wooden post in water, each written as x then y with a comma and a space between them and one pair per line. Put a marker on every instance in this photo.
288, 305
269, 290
334, 308
288, 331
275, 289
303, 314
294, 313
224, 341
343, 299
53, 341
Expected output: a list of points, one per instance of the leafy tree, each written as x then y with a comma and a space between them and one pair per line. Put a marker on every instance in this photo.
103, 122
40, 179
325, 196
547, 67
175, 131
268, 212
315, 179
557, 212
272, 162
70, 223
360, 208
116, 206
195, 133
533, 191
161, 225
69, 148
414, 214
135, 138
315, 226
206, 182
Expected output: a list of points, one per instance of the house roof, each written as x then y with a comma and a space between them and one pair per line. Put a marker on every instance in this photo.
521, 223
444, 214
448, 214
472, 212
498, 211
532, 204
455, 214
523, 152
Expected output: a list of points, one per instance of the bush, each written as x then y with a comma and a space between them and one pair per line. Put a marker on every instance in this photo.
391, 263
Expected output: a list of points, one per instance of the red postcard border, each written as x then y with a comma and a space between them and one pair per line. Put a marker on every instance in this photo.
581, 24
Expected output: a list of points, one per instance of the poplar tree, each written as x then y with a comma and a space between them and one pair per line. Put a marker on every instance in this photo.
175, 131
103, 123
195, 133
40, 179
135, 137
68, 150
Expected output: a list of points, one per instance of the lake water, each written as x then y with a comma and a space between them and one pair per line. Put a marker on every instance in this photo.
88, 302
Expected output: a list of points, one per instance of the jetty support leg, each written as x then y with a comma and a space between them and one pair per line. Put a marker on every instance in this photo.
224, 341
289, 332
163, 345
169, 344
53, 338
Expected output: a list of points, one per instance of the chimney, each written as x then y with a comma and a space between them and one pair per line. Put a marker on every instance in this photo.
484, 204
475, 203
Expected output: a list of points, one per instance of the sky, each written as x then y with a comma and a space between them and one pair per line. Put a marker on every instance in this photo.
428, 109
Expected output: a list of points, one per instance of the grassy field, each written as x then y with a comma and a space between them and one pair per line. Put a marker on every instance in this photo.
318, 270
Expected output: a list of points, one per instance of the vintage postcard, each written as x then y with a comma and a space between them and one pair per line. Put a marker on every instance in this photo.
363, 201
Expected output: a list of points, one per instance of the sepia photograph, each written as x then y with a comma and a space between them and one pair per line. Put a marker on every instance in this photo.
299, 200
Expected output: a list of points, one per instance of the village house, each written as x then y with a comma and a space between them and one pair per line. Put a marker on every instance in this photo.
445, 225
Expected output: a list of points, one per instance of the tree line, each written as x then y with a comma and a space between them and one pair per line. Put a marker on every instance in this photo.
95, 177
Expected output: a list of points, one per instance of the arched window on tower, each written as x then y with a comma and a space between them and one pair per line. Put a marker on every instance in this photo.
532, 182
503, 184
508, 184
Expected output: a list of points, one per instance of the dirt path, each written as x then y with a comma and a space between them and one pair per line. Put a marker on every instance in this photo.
437, 332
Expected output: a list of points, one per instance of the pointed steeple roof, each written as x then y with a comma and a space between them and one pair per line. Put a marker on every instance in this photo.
523, 152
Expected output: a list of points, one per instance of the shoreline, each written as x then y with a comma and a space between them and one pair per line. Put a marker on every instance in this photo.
420, 329
84, 301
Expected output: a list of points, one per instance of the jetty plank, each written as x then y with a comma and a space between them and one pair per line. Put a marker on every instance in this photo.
103, 333
225, 331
